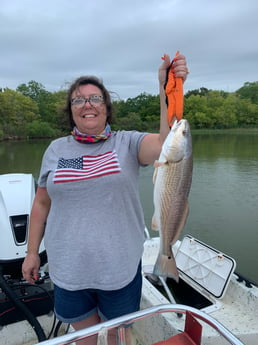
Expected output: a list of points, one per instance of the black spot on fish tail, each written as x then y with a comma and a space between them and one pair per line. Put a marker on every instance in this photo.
165, 266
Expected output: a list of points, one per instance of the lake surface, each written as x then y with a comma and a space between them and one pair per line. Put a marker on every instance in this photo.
223, 199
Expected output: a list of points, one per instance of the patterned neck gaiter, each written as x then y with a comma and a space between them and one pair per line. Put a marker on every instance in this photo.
91, 139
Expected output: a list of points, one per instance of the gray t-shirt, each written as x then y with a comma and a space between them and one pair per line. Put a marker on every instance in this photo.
95, 228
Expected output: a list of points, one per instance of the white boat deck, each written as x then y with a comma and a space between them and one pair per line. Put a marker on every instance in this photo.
237, 311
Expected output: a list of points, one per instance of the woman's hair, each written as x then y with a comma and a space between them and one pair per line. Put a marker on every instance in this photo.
84, 80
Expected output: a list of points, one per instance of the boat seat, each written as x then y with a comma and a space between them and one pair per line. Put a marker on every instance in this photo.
191, 336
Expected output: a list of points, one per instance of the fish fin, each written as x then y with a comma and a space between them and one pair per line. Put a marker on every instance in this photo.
154, 225
154, 175
158, 164
165, 266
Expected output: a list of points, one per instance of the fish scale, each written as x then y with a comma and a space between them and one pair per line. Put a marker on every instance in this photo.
173, 176
168, 219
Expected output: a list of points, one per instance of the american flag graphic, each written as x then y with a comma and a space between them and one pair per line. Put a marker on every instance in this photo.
86, 167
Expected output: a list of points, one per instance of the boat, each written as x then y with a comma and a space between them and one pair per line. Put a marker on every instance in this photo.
211, 304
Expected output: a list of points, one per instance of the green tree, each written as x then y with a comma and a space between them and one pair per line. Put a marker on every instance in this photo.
247, 113
200, 92
196, 111
16, 110
145, 106
131, 122
33, 90
226, 114
33, 111
43, 98
39, 129
59, 118
249, 91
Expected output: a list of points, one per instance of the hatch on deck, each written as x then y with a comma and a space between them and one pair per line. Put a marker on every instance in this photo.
204, 273
204, 267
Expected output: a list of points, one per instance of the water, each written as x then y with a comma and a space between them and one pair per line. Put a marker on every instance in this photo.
22, 156
223, 199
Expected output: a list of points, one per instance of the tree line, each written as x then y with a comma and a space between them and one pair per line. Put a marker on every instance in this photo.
31, 111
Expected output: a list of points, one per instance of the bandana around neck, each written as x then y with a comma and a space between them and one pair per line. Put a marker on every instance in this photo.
90, 139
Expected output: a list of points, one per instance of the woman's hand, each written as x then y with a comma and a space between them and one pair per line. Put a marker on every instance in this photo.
152, 143
30, 267
179, 67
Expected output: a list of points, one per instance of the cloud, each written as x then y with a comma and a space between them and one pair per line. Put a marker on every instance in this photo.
53, 42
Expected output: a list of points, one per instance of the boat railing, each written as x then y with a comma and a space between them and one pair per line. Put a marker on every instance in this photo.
121, 322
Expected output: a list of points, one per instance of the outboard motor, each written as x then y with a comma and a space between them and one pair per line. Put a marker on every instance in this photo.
20, 300
16, 196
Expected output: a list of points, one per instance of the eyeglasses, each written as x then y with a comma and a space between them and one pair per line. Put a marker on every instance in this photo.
94, 100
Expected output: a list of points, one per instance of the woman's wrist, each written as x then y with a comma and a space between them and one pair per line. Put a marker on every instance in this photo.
32, 252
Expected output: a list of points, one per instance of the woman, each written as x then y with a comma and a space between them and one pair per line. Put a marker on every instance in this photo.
88, 208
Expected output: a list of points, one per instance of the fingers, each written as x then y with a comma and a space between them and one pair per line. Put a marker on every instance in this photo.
30, 268
180, 67
30, 277
166, 61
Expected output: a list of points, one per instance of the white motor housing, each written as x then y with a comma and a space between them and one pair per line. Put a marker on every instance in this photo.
17, 192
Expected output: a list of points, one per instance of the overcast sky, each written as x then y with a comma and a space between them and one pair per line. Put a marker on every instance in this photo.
122, 41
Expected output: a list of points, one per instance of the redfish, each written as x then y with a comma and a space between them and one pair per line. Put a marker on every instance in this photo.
172, 183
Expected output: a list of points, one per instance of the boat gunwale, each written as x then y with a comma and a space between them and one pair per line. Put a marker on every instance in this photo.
132, 317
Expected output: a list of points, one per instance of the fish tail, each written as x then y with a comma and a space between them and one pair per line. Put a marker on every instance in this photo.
165, 266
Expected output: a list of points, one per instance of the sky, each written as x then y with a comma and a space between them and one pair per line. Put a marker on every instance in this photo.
121, 41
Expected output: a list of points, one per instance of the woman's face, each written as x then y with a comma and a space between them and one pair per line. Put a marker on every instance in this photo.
90, 117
